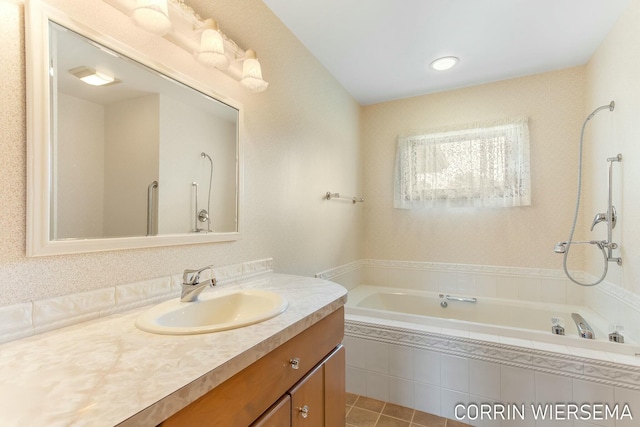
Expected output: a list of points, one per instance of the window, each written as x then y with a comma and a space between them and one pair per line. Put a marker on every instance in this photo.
487, 166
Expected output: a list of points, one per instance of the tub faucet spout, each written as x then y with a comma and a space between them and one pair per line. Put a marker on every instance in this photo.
584, 330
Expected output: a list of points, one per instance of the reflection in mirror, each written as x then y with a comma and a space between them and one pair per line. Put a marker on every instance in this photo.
122, 151
133, 152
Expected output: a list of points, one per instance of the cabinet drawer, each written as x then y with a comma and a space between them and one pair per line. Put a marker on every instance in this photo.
244, 397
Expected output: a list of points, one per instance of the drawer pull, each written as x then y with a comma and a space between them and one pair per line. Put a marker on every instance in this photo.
295, 363
304, 411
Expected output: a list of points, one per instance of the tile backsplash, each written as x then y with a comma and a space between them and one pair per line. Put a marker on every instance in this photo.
25, 319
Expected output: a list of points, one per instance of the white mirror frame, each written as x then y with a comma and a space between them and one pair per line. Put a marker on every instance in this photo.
38, 243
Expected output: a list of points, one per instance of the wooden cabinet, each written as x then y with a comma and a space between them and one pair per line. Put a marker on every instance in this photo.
307, 400
334, 389
308, 370
318, 399
278, 415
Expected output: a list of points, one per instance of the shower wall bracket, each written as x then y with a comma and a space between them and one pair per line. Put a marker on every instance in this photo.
612, 217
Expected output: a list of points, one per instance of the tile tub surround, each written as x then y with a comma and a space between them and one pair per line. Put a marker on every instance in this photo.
527, 284
106, 372
409, 365
23, 320
431, 369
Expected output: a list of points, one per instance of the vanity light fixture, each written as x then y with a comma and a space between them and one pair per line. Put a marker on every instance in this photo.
211, 52
152, 15
444, 63
178, 23
252, 73
93, 77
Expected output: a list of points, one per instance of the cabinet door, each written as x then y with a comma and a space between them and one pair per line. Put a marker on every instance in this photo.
279, 415
334, 388
307, 400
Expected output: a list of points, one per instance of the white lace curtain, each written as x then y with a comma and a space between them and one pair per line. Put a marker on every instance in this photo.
484, 166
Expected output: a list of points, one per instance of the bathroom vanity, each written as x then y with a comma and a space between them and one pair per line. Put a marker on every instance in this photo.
106, 372
299, 383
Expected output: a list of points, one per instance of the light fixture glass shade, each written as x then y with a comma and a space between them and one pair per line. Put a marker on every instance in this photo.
211, 51
152, 15
444, 63
252, 74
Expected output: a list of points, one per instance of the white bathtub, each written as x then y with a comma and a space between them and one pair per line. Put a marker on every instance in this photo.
487, 319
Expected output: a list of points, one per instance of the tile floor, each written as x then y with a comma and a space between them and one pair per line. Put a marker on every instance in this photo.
366, 412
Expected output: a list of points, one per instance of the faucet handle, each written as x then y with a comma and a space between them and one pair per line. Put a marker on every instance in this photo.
192, 277
616, 334
598, 218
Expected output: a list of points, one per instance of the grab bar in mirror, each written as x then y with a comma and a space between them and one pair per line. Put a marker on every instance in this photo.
151, 211
329, 195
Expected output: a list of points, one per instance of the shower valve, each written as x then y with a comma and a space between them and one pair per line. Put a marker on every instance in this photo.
598, 219
203, 215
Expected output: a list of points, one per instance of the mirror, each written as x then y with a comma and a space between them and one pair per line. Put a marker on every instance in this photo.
130, 157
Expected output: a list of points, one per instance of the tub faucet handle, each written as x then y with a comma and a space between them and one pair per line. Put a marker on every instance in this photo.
616, 335
557, 327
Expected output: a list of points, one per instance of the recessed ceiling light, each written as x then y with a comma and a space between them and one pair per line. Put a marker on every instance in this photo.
93, 77
444, 63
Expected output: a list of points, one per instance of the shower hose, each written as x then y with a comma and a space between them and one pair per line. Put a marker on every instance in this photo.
575, 217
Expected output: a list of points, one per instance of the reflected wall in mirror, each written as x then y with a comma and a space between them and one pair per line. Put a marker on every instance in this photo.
131, 157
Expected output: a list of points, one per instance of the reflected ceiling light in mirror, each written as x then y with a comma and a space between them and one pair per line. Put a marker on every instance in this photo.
444, 63
211, 52
252, 73
152, 15
92, 77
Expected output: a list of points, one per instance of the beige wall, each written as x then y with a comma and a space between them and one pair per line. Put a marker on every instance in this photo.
132, 132
523, 236
301, 139
613, 73
79, 188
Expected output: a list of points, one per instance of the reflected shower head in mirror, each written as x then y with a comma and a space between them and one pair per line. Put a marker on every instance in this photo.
205, 155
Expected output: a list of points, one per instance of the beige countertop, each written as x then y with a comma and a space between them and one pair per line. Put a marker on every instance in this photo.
106, 372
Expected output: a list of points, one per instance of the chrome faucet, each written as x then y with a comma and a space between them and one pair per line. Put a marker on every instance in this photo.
192, 286
584, 330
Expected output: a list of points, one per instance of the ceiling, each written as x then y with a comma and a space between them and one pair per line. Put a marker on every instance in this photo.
380, 50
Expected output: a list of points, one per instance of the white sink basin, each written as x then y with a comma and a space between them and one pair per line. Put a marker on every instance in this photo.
213, 311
